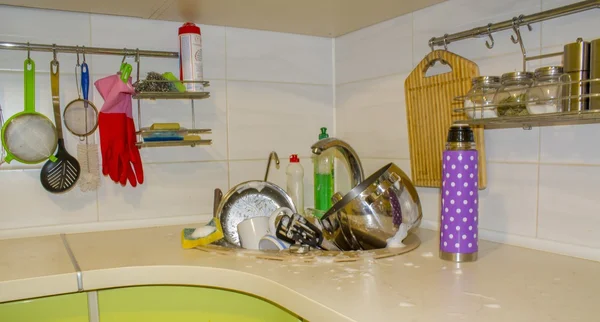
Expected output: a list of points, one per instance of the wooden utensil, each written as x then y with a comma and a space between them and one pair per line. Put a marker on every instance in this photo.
429, 113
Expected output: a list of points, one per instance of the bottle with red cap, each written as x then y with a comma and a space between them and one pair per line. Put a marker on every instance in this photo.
295, 182
190, 56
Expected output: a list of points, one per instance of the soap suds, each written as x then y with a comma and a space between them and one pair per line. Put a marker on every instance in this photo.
479, 295
417, 266
408, 264
203, 231
405, 304
350, 270
390, 259
248, 266
339, 288
324, 259
492, 306
427, 255
396, 240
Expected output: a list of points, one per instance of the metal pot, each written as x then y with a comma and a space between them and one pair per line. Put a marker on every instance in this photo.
364, 217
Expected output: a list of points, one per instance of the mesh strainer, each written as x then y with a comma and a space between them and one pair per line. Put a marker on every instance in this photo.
29, 137
81, 115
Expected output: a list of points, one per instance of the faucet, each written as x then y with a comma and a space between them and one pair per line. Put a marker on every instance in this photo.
356, 169
272, 155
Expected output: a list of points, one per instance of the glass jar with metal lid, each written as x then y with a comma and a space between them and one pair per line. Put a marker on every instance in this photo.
511, 97
545, 95
479, 100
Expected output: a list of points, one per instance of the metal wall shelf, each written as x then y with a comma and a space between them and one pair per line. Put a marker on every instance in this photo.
160, 144
529, 121
171, 95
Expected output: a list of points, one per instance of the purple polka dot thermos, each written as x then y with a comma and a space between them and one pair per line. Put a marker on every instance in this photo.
458, 229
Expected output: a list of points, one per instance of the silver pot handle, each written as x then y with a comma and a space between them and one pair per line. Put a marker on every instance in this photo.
382, 188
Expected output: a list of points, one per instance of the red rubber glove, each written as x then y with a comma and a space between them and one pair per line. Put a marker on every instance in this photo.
112, 145
137, 173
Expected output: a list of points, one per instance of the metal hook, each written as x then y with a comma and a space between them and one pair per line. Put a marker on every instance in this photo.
124, 56
515, 27
83, 53
487, 44
446, 42
54, 51
519, 40
77, 52
28, 51
137, 55
521, 17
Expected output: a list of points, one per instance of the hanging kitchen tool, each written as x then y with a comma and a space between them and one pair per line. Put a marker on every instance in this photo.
29, 137
248, 200
429, 113
61, 175
81, 115
81, 119
125, 70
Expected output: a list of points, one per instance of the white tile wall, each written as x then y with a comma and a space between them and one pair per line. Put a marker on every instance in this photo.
273, 91
269, 91
542, 182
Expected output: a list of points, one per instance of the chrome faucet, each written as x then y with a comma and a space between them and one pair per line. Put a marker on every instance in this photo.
356, 170
272, 155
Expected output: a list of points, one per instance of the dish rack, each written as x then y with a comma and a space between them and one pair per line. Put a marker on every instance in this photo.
145, 132
479, 111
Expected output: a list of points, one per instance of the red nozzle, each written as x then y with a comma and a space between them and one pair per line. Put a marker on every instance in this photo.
294, 158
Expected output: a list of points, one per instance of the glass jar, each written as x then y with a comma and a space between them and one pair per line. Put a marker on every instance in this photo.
479, 100
511, 97
545, 95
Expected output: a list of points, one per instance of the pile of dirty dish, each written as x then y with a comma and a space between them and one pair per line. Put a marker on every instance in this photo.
379, 212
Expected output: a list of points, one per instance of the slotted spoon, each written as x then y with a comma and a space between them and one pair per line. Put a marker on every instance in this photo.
61, 175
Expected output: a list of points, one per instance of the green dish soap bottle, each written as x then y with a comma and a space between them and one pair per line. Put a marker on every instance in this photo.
324, 177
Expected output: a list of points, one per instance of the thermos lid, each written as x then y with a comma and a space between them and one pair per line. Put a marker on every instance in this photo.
576, 56
461, 133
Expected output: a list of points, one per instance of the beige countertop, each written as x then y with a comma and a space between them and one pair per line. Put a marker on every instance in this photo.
507, 283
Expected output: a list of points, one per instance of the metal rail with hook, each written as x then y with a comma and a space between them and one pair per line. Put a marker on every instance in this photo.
87, 50
515, 24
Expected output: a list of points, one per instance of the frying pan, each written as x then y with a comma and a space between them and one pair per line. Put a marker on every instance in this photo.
29, 137
248, 200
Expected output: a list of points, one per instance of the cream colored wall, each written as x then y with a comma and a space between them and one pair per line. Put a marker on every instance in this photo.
543, 183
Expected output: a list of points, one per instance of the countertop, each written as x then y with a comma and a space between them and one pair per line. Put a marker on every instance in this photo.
507, 283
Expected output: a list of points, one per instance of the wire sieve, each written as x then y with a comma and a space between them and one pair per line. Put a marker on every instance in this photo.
81, 115
29, 137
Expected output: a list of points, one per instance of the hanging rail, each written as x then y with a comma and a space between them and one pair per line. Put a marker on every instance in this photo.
87, 50
487, 30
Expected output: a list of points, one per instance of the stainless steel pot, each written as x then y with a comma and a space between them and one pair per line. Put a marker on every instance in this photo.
364, 218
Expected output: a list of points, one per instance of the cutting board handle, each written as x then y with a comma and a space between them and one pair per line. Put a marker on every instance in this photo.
434, 57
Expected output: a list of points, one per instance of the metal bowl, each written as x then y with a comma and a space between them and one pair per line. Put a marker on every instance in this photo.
248, 200
364, 217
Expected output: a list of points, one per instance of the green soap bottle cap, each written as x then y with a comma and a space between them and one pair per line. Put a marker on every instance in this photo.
323, 134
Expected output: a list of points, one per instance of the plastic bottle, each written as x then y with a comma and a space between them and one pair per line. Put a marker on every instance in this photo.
295, 182
324, 176
190, 56
460, 198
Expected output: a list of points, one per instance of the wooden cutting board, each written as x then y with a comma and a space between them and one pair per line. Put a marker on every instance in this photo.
429, 105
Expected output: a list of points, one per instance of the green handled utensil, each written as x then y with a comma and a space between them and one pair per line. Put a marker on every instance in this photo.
29, 137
